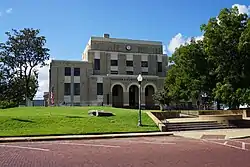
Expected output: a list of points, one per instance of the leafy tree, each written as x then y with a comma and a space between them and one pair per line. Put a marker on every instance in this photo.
190, 73
225, 46
218, 66
21, 54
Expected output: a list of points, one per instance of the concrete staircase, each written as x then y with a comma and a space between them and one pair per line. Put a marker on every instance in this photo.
199, 125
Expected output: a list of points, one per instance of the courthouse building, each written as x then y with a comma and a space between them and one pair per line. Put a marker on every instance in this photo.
107, 73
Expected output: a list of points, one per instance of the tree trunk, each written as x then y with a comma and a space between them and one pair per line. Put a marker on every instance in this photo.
218, 105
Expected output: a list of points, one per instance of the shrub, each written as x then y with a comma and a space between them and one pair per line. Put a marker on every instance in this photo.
7, 104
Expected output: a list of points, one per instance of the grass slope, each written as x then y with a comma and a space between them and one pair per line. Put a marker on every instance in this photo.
32, 121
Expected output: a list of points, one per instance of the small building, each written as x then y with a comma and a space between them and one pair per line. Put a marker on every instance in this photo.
107, 74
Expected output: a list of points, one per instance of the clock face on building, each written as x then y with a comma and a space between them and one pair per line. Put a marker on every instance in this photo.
128, 47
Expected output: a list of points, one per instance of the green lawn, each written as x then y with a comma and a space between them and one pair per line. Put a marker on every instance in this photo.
31, 121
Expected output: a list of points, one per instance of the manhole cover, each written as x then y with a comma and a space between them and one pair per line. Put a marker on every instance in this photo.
213, 137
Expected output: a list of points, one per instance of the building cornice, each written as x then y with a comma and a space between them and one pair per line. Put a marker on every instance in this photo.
126, 76
126, 53
128, 41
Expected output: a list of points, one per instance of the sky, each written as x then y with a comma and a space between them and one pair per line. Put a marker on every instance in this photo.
68, 25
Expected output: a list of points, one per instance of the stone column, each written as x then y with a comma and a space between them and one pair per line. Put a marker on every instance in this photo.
125, 98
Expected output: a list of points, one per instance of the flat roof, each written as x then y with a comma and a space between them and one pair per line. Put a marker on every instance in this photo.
120, 40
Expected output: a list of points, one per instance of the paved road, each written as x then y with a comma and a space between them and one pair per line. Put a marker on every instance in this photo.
136, 152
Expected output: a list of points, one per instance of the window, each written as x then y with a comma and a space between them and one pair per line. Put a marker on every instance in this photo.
159, 66
97, 64
76, 71
77, 89
99, 88
144, 64
114, 72
114, 62
144, 73
129, 63
67, 91
67, 71
130, 72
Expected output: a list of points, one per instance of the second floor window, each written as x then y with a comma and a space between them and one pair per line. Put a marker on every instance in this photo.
159, 66
144, 64
114, 62
97, 64
76, 71
67, 71
129, 63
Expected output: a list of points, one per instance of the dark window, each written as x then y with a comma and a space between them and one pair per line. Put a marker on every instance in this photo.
114, 72
77, 89
67, 71
99, 89
144, 64
97, 64
67, 89
144, 73
130, 72
76, 71
129, 63
159, 66
114, 62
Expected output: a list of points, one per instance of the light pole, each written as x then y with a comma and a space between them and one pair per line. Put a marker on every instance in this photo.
139, 79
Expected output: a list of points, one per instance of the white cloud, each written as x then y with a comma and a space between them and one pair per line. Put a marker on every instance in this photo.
243, 8
179, 40
43, 80
176, 42
8, 11
164, 49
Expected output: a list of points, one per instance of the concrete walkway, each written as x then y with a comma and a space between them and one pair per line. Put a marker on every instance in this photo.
71, 137
229, 133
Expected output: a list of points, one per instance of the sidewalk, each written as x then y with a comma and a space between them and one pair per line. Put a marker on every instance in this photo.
83, 137
229, 133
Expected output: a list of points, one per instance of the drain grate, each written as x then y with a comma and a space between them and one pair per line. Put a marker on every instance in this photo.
215, 137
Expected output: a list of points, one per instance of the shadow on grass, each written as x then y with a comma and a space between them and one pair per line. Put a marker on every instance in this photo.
73, 116
22, 120
149, 125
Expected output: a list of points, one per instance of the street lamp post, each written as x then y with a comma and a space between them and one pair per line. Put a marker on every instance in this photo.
139, 79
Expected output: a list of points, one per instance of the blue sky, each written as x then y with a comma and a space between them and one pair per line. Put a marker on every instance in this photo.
68, 25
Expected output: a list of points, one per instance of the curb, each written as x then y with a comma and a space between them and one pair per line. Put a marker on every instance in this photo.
239, 137
82, 137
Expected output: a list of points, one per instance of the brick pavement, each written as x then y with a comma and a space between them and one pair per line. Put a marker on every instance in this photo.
136, 152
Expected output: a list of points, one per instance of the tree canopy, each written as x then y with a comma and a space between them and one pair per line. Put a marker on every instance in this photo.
218, 65
21, 54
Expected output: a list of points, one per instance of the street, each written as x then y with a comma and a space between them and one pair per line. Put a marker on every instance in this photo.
136, 152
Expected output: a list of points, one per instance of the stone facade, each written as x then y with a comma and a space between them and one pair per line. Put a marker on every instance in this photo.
107, 74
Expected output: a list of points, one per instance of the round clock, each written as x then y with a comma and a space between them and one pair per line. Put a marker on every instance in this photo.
128, 47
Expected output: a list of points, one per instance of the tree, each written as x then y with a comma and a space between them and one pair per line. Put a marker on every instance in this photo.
21, 54
189, 75
218, 65
225, 44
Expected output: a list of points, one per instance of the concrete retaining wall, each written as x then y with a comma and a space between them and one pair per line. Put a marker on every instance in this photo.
160, 125
224, 119
167, 114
